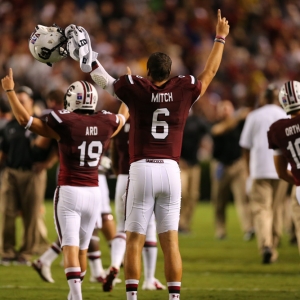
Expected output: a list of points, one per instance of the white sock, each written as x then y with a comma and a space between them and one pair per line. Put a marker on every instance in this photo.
174, 290
74, 282
95, 263
118, 247
50, 255
149, 260
131, 289
82, 274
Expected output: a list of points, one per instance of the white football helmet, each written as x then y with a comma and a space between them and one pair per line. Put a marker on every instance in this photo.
48, 44
289, 96
81, 95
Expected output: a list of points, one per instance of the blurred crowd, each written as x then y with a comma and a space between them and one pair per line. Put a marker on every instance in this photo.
262, 47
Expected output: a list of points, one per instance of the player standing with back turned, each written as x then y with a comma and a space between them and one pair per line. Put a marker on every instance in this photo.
158, 107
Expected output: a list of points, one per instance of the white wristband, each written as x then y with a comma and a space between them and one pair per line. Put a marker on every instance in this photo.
123, 118
29, 123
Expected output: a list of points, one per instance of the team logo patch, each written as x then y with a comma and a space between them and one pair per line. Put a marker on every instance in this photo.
79, 96
34, 38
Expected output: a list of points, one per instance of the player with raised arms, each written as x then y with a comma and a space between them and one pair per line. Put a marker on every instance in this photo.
158, 107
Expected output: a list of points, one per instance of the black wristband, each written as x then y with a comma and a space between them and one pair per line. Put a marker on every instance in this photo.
9, 91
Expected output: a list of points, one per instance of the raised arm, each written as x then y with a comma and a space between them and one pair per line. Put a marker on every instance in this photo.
123, 115
34, 124
215, 57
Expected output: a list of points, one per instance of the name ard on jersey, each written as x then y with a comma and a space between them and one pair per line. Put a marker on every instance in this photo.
91, 130
162, 97
292, 130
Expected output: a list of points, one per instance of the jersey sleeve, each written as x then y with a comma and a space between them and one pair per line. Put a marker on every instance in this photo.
196, 85
55, 121
122, 86
112, 120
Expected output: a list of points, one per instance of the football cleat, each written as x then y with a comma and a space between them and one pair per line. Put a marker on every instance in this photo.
108, 282
153, 285
43, 270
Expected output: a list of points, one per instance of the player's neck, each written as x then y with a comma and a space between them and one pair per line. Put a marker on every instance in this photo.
159, 83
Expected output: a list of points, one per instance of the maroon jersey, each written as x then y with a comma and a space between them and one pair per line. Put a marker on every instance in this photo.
82, 138
157, 114
122, 149
284, 135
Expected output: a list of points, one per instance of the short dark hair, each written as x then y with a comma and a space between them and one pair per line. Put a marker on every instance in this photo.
159, 66
25, 89
57, 96
271, 93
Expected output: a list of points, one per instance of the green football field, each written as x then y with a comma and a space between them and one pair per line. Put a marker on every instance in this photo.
212, 269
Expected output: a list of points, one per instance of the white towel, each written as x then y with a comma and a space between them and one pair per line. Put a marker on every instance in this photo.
79, 47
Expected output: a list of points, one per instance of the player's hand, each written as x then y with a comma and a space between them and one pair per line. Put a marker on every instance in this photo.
222, 26
8, 81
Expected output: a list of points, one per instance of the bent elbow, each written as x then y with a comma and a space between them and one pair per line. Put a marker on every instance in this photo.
22, 121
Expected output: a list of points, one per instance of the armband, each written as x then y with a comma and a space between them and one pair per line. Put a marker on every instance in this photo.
222, 41
7, 91
220, 37
29, 123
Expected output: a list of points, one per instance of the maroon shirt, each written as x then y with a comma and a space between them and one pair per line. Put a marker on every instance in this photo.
284, 135
82, 141
157, 114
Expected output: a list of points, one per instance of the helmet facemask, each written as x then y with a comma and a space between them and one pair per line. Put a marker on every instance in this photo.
48, 44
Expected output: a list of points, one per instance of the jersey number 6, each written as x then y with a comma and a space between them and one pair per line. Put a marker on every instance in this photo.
156, 123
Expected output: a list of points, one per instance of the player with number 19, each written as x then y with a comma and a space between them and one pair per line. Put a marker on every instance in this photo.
80, 134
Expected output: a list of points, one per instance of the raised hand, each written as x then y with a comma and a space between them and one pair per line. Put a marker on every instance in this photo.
128, 71
8, 81
222, 26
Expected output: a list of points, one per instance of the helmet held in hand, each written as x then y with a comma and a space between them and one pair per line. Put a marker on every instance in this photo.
48, 44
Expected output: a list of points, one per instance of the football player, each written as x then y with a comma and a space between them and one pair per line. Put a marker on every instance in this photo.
81, 134
158, 107
284, 138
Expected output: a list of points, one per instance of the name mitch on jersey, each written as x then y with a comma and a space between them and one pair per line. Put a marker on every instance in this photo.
162, 97
292, 130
